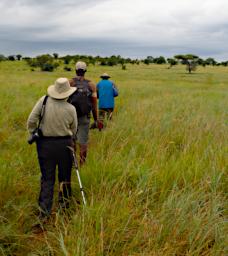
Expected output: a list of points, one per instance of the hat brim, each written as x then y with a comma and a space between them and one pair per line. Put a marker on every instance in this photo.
54, 94
105, 76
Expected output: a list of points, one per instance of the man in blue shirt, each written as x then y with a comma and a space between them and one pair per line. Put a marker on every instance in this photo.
106, 91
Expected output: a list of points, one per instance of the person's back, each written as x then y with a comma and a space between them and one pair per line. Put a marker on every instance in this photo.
58, 118
85, 102
57, 121
105, 92
82, 98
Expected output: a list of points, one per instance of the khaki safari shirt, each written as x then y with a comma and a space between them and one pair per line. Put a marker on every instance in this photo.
59, 119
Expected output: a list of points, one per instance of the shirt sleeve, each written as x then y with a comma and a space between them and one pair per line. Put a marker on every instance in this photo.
34, 116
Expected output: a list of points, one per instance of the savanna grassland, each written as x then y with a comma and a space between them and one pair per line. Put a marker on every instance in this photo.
155, 179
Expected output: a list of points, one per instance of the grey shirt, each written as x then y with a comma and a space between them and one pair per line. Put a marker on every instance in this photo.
59, 119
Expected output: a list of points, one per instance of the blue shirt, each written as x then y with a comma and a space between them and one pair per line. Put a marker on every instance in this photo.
106, 94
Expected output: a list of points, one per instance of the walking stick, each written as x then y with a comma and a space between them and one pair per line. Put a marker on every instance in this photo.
77, 172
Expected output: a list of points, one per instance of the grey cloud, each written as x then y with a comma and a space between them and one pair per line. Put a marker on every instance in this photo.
29, 33
72, 26
56, 4
107, 48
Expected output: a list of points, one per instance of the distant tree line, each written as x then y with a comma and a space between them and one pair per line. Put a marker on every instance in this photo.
190, 60
47, 62
10, 57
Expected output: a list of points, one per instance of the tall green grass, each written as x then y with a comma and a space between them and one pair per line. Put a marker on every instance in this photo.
155, 179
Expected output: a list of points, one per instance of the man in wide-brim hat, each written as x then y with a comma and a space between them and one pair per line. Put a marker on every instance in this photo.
61, 89
106, 91
58, 127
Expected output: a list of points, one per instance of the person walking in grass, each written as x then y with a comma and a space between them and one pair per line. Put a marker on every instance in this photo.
106, 91
85, 102
57, 122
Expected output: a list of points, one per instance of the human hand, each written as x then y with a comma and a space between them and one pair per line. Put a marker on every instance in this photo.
100, 125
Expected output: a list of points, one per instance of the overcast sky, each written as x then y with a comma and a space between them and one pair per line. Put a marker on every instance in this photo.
105, 27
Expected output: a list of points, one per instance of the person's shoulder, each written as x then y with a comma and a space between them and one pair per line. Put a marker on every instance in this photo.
104, 82
91, 85
89, 81
69, 107
41, 99
110, 82
72, 81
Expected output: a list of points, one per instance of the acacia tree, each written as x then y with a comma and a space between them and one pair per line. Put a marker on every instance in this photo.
160, 60
189, 59
172, 62
67, 59
2, 57
55, 55
148, 60
45, 62
210, 61
11, 57
18, 56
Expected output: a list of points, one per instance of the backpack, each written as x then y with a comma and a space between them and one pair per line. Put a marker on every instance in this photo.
115, 91
81, 98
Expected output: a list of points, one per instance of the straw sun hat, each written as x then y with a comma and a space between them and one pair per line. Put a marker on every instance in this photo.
61, 89
105, 75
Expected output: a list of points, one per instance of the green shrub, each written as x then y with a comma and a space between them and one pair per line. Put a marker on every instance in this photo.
67, 68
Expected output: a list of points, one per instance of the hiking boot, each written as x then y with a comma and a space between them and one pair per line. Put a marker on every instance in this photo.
39, 226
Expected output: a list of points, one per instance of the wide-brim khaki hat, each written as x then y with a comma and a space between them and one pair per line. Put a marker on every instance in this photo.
61, 89
105, 75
